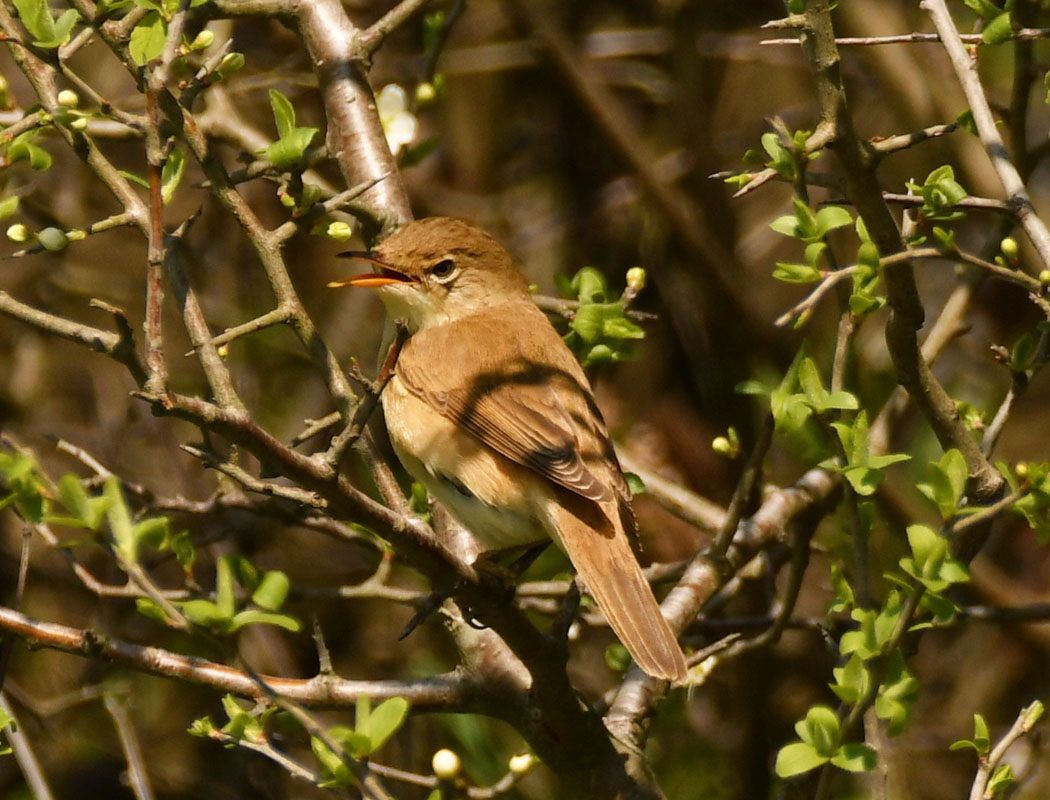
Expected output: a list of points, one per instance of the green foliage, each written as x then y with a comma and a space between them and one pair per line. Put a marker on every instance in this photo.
49, 33
293, 140
22, 148
874, 628
999, 30
786, 159
897, 694
221, 615
1033, 480
600, 331
947, 483
844, 599
243, 724
939, 192
981, 741
372, 729
820, 734
171, 174
25, 485
7, 723
864, 299
9, 206
930, 562
148, 39
863, 470
800, 395
809, 226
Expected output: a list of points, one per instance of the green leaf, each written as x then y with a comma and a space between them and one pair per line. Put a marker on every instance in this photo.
820, 728
358, 744
384, 721
797, 758
8, 206
896, 695
272, 591
589, 322
23, 149
796, 273
251, 616
621, 328
152, 531
947, 482
854, 757
224, 596
851, 680
985, 8
171, 175
36, 16
634, 483
589, 286
63, 28
149, 609
831, 217
138, 180
999, 30
844, 597
289, 150
182, 547
1001, 779
283, 113
244, 571
120, 520
148, 39
335, 774
206, 614
88, 511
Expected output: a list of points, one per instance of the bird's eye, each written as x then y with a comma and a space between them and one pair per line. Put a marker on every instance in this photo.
443, 269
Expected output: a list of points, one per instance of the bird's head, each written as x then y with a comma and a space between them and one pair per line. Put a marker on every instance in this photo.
439, 269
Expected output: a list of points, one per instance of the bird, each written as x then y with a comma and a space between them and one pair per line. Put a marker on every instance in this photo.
488, 408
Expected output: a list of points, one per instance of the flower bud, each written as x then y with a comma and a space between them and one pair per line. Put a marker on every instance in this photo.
340, 231
722, 446
425, 93
203, 40
231, 63
18, 233
1021, 469
521, 763
53, 239
67, 98
75, 235
286, 199
446, 764
1009, 248
636, 279
1044, 277
78, 124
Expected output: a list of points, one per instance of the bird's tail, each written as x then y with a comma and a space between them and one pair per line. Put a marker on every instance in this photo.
599, 549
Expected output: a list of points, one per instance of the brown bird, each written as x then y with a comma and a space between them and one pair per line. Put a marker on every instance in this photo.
491, 412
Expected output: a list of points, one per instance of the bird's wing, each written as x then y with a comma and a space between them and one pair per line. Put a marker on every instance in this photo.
510, 381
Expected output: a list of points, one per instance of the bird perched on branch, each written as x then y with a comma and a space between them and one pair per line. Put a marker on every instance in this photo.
491, 412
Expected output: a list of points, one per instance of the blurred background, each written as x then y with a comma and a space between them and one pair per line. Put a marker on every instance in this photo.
565, 182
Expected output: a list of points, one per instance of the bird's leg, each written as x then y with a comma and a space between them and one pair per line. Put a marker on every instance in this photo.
501, 578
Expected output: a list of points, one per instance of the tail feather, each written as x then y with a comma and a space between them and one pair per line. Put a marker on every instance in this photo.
602, 555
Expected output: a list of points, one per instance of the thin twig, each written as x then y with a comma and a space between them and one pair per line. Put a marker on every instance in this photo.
138, 775
987, 129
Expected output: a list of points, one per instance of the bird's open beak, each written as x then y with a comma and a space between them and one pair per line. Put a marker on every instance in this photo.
384, 274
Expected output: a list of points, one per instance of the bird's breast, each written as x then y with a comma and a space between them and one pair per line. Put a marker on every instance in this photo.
502, 503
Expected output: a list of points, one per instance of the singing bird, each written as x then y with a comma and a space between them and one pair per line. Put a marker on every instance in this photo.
491, 412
